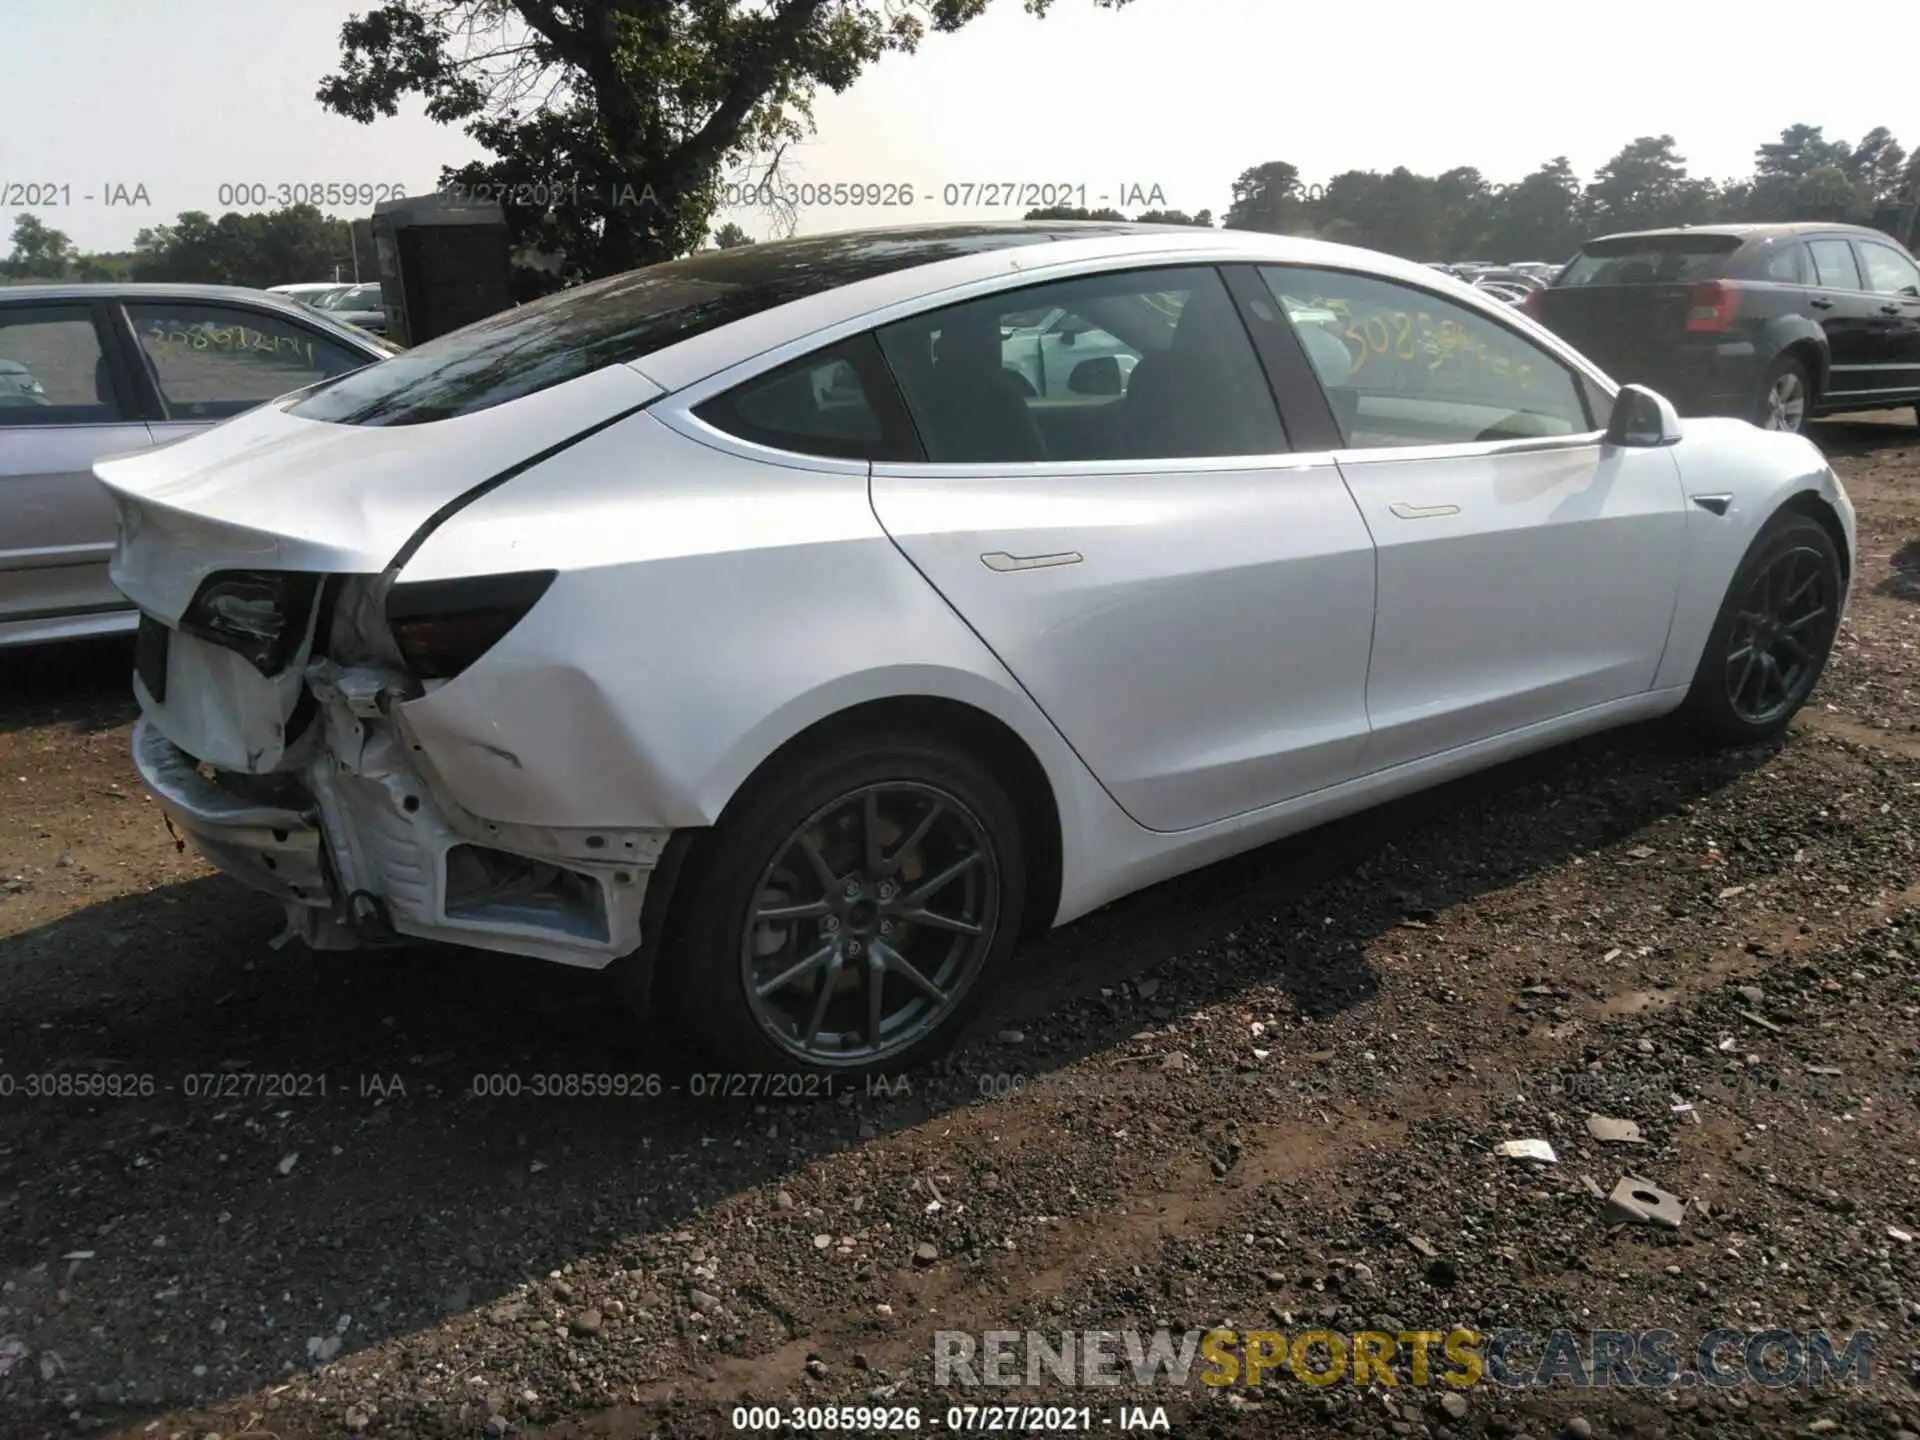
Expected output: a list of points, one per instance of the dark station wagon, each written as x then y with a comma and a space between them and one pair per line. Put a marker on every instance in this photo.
1776, 323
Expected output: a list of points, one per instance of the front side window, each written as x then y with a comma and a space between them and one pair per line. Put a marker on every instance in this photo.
211, 361
1888, 271
1141, 365
1833, 263
52, 369
817, 405
1402, 366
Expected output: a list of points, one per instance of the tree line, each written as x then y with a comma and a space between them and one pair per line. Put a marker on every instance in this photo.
1452, 216
1461, 215
278, 247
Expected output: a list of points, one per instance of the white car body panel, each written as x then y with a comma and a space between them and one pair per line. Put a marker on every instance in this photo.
1189, 580
1570, 552
1759, 470
270, 490
1213, 673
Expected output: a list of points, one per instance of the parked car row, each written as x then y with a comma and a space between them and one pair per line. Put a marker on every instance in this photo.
1779, 324
358, 304
792, 628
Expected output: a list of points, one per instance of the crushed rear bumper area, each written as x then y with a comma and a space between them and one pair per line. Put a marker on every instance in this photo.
356, 844
272, 847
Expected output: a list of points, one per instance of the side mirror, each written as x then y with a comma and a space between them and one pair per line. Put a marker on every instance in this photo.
1098, 376
1642, 419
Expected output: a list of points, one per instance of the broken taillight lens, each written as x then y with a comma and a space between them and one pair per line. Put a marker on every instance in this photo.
443, 626
260, 614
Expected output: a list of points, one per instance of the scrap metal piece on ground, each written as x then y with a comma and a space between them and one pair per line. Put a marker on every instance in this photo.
1621, 1132
1526, 1150
1641, 1202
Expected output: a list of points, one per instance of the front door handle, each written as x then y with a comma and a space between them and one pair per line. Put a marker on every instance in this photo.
1423, 512
1820, 304
1889, 309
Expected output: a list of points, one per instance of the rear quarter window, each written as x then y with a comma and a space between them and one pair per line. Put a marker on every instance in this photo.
1650, 260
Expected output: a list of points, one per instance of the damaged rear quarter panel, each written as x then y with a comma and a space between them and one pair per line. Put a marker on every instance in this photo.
709, 607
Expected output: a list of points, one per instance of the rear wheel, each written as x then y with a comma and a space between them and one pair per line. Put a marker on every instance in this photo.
1771, 639
846, 917
1786, 395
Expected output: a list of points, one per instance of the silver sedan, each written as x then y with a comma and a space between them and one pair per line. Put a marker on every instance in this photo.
751, 626
88, 371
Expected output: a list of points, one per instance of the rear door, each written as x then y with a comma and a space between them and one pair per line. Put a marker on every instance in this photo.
1849, 315
64, 403
1894, 280
1186, 598
210, 361
1526, 570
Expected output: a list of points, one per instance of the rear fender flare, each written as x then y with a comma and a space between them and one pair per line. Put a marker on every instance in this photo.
1806, 340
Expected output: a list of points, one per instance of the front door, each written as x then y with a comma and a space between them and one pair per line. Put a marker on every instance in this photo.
1526, 572
1189, 604
62, 407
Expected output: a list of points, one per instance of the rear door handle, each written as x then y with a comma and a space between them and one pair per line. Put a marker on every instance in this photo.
1001, 562
1422, 512
1820, 304
1889, 309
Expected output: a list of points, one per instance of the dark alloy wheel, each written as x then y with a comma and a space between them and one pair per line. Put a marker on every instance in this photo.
1772, 637
871, 923
849, 910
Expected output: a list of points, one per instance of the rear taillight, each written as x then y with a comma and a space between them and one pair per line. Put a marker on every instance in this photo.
262, 615
443, 626
1712, 306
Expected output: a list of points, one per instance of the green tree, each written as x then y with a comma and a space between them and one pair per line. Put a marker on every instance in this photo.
39, 251
629, 109
1647, 186
1538, 217
1268, 198
730, 237
1805, 176
279, 247
1174, 217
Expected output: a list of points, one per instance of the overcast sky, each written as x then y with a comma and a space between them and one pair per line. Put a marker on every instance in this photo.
1181, 95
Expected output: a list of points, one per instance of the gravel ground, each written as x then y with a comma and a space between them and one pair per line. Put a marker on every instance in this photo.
265, 1197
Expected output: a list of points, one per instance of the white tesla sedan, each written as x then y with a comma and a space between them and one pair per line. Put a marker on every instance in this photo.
744, 624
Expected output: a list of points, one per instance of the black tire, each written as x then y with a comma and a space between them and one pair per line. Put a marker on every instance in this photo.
1790, 372
1724, 706
708, 955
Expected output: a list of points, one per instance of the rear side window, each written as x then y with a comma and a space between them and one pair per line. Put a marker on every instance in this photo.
1788, 265
829, 403
1679, 259
559, 338
1833, 262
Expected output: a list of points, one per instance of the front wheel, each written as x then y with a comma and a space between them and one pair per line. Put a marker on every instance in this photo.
848, 913
1785, 396
1772, 637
